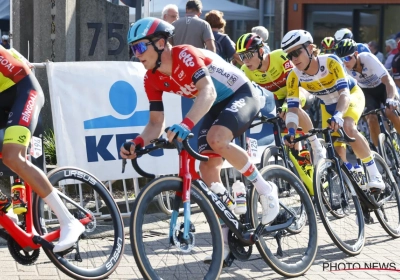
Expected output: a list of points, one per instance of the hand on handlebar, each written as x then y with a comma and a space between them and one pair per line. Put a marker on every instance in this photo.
391, 103
289, 138
127, 150
336, 121
180, 131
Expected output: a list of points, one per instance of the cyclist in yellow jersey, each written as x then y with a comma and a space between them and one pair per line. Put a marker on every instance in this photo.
270, 71
21, 99
342, 100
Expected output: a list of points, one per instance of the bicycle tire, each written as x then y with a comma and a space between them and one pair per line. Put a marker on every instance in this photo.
321, 170
304, 259
152, 189
391, 190
108, 262
275, 152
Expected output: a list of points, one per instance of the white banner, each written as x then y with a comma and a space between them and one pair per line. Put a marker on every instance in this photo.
97, 106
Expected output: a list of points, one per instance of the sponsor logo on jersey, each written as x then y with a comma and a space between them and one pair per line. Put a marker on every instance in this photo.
181, 75
199, 74
6, 64
236, 105
26, 115
186, 58
232, 79
187, 89
287, 65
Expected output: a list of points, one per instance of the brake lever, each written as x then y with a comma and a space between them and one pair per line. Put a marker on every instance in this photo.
123, 164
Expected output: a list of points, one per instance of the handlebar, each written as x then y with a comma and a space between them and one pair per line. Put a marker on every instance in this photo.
376, 111
314, 131
162, 143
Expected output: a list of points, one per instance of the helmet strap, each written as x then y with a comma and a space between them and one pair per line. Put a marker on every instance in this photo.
261, 57
159, 52
310, 55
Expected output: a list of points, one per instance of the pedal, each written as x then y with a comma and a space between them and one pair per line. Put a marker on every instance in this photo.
229, 260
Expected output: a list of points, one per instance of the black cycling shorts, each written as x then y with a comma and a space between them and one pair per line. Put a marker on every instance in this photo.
21, 104
374, 97
235, 113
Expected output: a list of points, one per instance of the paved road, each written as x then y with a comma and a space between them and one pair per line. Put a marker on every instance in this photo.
380, 250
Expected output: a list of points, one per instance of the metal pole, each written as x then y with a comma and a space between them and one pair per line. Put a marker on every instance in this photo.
146, 11
11, 24
138, 13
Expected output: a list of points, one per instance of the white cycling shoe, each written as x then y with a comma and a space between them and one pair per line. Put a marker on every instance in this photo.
270, 205
318, 154
69, 234
376, 182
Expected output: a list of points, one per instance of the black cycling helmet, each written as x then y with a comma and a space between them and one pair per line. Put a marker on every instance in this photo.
345, 47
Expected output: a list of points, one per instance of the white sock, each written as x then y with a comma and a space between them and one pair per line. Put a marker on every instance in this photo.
371, 166
254, 176
55, 203
314, 142
225, 231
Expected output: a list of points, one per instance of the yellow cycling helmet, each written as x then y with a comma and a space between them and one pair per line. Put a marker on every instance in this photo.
248, 42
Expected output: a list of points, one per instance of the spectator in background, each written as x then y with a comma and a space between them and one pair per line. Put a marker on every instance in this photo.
397, 38
391, 49
4, 42
373, 47
225, 47
264, 34
170, 13
396, 66
192, 30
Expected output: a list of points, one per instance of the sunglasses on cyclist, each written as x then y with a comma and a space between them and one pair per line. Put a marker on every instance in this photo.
347, 58
294, 53
140, 47
246, 55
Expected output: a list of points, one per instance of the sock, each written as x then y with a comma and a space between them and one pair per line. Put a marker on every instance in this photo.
254, 176
348, 165
371, 166
314, 142
55, 203
225, 231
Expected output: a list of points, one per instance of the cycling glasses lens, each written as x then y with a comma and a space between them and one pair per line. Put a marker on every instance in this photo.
140, 47
294, 53
347, 58
246, 55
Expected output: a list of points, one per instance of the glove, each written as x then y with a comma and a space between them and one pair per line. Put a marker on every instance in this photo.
338, 118
183, 129
138, 142
392, 102
291, 133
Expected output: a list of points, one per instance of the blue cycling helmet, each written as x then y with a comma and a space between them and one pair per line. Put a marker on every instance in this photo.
148, 28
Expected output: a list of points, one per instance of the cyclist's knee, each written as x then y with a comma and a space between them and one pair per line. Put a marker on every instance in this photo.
372, 119
218, 142
349, 127
11, 156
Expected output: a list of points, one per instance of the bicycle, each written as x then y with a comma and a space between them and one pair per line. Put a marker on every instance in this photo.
179, 235
388, 140
344, 193
39, 229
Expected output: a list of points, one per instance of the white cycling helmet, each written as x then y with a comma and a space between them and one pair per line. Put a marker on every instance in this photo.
296, 38
343, 33
5, 37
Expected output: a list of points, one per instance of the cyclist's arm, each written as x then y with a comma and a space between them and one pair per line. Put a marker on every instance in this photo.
397, 82
293, 101
390, 86
154, 128
344, 100
204, 99
342, 85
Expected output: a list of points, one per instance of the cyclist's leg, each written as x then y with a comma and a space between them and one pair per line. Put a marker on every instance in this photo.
230, 123
22, 121
394, 118
373, 101
360, 146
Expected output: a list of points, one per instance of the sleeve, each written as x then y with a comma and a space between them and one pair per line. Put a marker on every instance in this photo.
293, 92
335, 67
396, 67
207, 32
192, 62
153, 94
286, 64
372, 62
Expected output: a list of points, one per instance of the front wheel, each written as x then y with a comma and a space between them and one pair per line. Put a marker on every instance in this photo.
347, 232
157, 240
289, 252
84, 195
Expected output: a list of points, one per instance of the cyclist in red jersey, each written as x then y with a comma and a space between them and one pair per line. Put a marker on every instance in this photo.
224, 98
21, 99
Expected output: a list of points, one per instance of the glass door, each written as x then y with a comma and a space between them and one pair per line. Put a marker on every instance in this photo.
367, 23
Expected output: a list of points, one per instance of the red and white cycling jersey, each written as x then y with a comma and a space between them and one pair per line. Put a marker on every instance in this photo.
188, 66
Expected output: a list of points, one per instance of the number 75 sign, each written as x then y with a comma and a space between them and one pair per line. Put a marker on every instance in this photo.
111, 33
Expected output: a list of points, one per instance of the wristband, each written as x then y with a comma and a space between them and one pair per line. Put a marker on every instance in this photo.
138, 141
188, 123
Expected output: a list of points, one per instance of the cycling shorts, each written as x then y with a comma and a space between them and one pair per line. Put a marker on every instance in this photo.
355, 110
20, 106
374, 97
235, 113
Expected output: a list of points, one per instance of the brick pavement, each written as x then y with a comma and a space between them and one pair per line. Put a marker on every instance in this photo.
380, 248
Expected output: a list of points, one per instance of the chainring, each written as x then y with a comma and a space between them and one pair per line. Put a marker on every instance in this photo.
240, 252
21, 256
